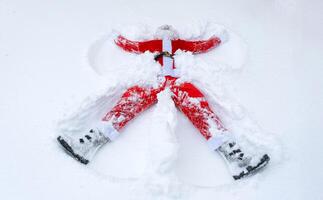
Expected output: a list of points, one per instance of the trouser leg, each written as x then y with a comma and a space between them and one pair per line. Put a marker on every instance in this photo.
134, 101
191, 101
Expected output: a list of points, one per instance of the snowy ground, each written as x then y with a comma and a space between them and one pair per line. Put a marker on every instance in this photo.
43, 73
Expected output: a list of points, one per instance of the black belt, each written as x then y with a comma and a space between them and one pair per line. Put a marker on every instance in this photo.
164, 53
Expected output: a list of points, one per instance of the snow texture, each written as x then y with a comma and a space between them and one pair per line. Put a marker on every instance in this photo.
264, 82
208, 71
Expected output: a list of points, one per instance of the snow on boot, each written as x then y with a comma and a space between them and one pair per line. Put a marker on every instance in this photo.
240, 163
83, 147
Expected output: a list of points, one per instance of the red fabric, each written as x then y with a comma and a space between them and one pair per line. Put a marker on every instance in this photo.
139, 47
193, 104
135, 100
199, 46
186, 97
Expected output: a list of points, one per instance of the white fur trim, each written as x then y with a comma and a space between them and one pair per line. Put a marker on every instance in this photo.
111, 133
173, 72
168, 63
217, 140
108, 130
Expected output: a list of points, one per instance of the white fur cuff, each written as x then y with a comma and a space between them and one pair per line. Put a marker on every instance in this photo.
108, 130
216, 141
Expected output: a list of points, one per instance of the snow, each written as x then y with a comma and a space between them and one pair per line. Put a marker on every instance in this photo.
44, 48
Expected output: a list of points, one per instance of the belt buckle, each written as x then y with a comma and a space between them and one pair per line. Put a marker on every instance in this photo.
164, 53
167, 54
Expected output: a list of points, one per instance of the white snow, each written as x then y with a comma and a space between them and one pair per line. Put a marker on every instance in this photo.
274, 100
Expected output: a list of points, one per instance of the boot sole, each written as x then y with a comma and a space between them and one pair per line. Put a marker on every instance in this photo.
70, 151
253, 169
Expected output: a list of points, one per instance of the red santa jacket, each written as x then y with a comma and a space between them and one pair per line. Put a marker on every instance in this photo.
167, 48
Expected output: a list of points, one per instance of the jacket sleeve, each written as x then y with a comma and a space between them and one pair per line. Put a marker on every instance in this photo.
135, 46
199, 46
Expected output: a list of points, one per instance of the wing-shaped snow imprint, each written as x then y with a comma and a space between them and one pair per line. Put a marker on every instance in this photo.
212, 72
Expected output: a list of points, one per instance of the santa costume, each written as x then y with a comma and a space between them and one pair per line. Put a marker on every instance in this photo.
187, 98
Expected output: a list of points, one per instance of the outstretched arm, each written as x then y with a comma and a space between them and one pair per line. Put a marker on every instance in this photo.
138, 47
199, 46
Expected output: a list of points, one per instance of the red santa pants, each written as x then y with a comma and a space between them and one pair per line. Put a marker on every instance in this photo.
186, 97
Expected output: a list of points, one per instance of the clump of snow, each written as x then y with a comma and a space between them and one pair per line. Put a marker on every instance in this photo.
160, 179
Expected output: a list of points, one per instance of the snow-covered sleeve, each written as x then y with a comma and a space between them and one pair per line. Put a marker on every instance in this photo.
137, 47
199, 46
127, 45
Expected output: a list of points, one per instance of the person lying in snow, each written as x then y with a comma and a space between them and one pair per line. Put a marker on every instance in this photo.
187, 98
